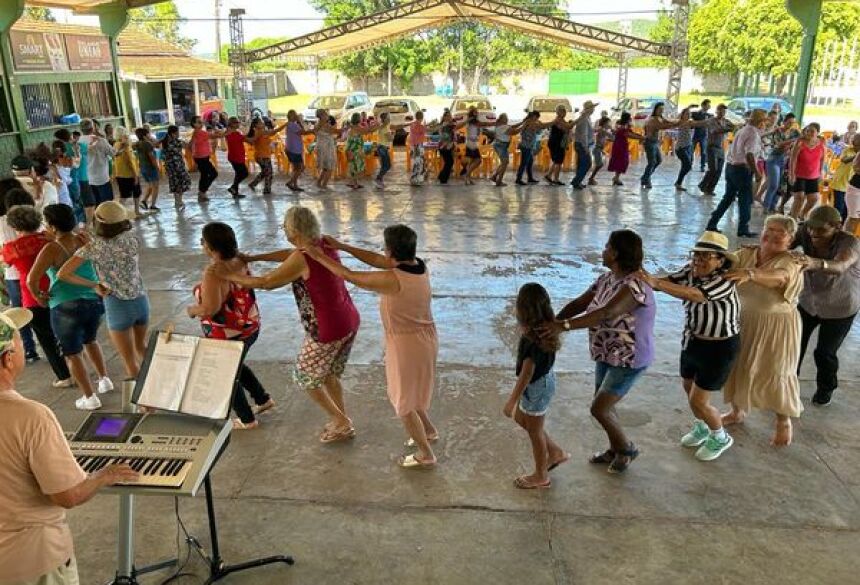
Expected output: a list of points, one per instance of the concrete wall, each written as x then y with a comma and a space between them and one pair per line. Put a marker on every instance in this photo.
648, 80
308, 82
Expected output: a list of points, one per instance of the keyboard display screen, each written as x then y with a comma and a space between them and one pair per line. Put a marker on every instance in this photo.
110, 427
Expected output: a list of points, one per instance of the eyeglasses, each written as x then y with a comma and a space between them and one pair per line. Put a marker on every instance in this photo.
704, 255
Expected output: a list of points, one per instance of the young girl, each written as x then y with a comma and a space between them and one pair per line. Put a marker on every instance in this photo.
384, 147
236, 155
619, 158
261, 137
601, 135
535, 383
355, 149
502, 145
326, 133
148, 164
178, 179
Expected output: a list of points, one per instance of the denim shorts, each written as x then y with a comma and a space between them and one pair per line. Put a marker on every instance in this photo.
537, 396
295, 158
149, 174
76, 323
502, 149
615, 380
122, 314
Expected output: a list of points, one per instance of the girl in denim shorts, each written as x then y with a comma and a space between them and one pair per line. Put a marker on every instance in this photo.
535, 387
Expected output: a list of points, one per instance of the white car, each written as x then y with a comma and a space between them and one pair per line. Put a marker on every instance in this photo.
639, 108
401, 112
341, 106
545, 105
460, 107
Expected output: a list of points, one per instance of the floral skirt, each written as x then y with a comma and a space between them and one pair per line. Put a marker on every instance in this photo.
317, 361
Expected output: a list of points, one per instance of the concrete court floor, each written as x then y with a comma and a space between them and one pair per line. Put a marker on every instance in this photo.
350, 516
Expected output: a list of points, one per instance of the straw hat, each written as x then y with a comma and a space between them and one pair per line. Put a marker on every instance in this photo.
110, 212
717, 243
590, 105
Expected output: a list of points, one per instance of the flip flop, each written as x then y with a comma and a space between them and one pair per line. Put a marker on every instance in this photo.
261, 408
410, 442
606, 457
564, 459
412, 462
521, 483
330, 436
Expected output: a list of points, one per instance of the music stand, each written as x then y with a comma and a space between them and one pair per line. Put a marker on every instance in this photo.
126, 572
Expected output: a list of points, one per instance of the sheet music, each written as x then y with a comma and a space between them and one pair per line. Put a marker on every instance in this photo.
168, 372
209, 389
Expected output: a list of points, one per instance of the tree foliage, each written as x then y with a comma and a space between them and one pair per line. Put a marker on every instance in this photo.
36, 13
162, 21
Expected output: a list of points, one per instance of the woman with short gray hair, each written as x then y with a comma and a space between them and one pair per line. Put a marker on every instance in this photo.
328, 315
765, 374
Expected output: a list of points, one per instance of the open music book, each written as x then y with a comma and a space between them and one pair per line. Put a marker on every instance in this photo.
188, 374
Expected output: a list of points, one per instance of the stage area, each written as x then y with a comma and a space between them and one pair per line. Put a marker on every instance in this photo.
348, 514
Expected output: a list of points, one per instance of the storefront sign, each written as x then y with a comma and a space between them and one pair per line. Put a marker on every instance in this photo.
88, 53
56, 51
29, 51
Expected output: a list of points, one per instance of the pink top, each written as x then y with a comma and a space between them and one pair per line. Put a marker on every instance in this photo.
200, 145
417, 133
330, 315
809, 160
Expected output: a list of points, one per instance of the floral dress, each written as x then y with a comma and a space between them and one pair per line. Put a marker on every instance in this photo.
355, 154
174, 162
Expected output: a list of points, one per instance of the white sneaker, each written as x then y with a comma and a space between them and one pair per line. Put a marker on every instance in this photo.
67, 383
91, 403
105, 385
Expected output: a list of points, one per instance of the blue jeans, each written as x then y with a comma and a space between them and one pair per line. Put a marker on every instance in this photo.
739, 185
527, 158
716, 159
583, 162
652, 153
685, 155
702, 143
13, 288
839, 203
774, 166
384, 161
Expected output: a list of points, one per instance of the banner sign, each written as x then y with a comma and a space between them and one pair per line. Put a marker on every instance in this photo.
36, 51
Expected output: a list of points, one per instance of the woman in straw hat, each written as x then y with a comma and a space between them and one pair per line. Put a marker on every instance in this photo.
769, 282
113, 251
711, 336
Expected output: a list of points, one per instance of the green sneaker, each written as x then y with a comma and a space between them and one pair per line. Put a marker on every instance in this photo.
713, 448
697, 435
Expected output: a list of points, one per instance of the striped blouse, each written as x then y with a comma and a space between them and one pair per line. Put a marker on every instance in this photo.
719, 316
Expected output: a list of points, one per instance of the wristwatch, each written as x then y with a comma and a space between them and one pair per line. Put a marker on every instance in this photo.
566, 324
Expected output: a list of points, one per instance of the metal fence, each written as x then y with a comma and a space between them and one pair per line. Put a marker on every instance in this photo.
44, 102
93, 99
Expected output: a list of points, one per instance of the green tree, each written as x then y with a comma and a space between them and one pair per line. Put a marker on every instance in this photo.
34, 13
162, 21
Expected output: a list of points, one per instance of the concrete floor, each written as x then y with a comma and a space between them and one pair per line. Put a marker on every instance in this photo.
349, 515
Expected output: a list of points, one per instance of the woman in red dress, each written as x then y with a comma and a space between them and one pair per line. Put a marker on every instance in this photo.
619, 159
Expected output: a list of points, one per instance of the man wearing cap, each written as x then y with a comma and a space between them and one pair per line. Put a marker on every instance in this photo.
741, 168
39, 477
583, 140
99, 152
830, 298
717, 128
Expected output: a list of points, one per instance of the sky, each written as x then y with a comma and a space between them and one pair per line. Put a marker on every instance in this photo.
296, 17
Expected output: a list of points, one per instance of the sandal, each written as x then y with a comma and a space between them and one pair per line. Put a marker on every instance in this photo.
335, 435
555, 464
607, 456
410, 442
261, 408
523, 484
412, 462
623, 460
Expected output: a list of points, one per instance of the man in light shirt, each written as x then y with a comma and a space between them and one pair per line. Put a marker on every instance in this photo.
741, 169
39, 477
99, 153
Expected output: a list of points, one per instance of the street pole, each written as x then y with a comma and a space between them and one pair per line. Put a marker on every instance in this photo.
218, 30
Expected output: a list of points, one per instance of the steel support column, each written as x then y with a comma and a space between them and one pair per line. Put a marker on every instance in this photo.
238, 59
678, 56
623, 71
808, 14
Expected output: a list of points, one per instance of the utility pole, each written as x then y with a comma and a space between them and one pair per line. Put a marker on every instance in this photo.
218, 30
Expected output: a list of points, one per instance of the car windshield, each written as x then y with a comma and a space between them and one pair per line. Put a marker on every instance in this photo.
463, 105
549, 105
392, 107
647, 103
328, 102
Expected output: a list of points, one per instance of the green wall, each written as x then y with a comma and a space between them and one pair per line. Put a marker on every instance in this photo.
573, 82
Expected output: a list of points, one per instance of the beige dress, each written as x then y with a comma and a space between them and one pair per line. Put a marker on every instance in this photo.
410, 343
765, 373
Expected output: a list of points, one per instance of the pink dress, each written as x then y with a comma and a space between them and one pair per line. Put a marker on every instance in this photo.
410, 341
619, 159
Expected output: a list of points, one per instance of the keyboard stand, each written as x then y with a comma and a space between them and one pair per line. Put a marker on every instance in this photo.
217, 569
126, 572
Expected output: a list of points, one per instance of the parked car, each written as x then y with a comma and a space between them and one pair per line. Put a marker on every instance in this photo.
639, 108
546, 105
740, 105
460, 107
341, 106
401, 112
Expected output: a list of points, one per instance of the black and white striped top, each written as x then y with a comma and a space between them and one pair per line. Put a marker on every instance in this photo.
716, 318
